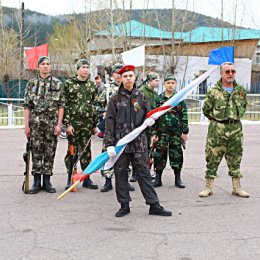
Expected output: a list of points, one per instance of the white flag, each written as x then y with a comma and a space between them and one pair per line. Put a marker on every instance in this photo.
134, 57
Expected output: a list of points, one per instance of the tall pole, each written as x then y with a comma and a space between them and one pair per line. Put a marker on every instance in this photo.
1, 22
112, 29
222, 21
173, 30
88, 27
21, 49
235, 21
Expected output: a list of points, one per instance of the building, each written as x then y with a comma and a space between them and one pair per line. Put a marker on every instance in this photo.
190, 50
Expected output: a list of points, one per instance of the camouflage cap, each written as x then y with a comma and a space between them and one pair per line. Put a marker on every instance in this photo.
116, 67
169, 76
82, 62
42, 59
152, 75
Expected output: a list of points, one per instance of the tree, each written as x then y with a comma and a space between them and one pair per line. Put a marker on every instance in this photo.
66, 44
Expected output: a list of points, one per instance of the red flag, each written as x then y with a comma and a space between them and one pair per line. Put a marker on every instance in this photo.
161, 108
33, 54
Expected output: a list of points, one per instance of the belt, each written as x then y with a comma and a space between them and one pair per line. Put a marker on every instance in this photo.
227, 121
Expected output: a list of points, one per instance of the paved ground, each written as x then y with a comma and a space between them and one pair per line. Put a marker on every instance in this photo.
83, 226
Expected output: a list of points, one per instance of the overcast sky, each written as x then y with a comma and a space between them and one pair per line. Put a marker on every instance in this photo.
247, 13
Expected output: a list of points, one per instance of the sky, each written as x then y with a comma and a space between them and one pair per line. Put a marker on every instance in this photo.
246, 15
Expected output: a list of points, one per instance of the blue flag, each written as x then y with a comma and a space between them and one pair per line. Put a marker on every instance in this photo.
221, 55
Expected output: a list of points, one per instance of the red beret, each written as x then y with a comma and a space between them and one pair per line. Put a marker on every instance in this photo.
126, 68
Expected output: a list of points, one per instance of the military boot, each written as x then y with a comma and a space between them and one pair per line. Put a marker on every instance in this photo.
87, 183
124, 210
178, 182
158, 179
107, 186
237, 189
157, 209
36, 184
46, 185
208, 190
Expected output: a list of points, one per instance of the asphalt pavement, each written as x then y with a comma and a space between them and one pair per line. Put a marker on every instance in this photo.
82, 225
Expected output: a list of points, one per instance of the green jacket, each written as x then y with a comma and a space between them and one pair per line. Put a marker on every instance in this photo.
149, 94
44, 95
79, 101
174, 121
220, 105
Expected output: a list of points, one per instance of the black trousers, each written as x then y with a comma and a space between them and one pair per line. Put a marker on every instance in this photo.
140, 167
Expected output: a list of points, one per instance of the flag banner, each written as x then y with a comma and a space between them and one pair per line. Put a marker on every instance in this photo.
135, 56
33, 54
221, 55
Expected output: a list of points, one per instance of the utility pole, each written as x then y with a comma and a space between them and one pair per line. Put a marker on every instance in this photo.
1, 25
235, 21
112, 29
222, 21
1, 14
173, 30
130, 36
21, 50
88, 29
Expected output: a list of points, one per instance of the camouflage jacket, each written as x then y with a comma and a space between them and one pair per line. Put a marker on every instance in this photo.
126, 111
79, 101
44, 95
220, 105
113, 87
149, 94
101, 102
174, 121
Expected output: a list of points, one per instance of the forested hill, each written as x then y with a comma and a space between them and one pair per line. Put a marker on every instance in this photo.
38, 26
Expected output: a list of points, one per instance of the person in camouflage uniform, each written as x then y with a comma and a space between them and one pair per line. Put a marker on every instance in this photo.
100, 104
113, 88
169, 131
80, 116
148, 89
43, 110
126, 111
224, 105
100, 101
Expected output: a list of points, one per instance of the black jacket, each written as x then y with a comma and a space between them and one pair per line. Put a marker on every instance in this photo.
126, 111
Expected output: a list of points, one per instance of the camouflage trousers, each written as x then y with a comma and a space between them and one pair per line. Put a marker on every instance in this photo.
224, 140
82, 133
43, 143
168, 144
106, 173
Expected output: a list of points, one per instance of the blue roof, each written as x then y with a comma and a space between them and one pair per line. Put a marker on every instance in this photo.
213, 34
136, 29
201, 34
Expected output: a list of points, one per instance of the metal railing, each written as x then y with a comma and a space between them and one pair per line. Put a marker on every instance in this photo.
11, 110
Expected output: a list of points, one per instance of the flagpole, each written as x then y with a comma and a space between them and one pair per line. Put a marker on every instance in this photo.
68, 190
144, 64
